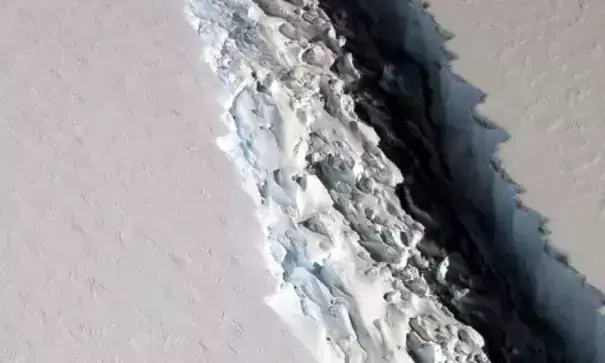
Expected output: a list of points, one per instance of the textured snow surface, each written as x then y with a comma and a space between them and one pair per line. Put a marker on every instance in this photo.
123, 236
543, 70
342, 250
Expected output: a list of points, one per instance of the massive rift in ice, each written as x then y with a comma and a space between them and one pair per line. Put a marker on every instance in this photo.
358, 279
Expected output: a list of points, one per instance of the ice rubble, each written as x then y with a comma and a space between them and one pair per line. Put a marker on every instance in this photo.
352, 283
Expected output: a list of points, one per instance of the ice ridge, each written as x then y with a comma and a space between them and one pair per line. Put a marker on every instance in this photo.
351, 280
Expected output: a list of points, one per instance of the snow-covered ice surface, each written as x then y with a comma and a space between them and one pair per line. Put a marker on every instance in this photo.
124, 236
126, 239
542, 68
356, 279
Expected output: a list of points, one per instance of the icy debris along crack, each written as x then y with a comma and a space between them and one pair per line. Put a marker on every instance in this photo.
351, 279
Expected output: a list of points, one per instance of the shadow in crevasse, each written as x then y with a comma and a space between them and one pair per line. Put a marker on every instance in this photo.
522, 295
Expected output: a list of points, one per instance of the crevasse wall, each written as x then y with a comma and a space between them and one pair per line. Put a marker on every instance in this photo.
486, 198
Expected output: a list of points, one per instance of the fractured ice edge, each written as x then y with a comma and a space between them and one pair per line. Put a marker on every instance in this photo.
357, 282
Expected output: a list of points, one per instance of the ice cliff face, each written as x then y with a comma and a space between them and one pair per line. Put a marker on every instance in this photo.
509, 236
352, 280
354, 140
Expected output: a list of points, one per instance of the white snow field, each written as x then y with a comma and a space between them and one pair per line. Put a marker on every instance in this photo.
124, 235
542, 65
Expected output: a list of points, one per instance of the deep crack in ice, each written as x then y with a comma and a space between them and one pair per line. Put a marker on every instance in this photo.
360, 279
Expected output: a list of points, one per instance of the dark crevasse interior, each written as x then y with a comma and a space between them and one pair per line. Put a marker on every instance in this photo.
401, 109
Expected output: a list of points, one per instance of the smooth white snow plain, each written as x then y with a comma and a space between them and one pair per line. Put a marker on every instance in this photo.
542, 65
124, 236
